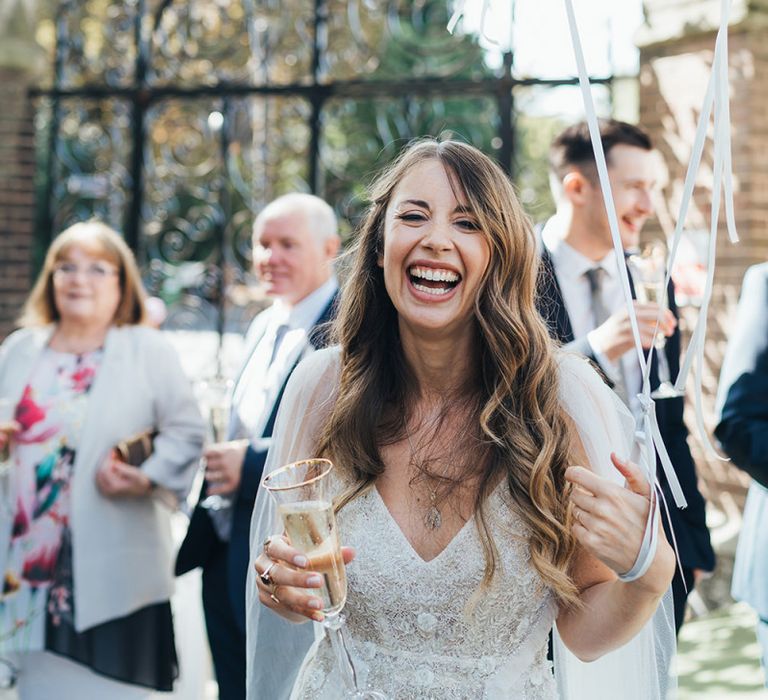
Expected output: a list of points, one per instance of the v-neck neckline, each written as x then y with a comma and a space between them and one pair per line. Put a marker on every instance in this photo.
411, 548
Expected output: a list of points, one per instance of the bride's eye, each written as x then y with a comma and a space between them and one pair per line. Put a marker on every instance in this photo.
468, 224
411, 216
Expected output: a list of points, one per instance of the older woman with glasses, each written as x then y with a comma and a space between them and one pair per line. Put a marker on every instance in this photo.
85, 544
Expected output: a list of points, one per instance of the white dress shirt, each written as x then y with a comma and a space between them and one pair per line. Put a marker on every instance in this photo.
570, 268
261, 380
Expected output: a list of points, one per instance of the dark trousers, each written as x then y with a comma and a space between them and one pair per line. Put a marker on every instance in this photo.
226, 639
679, 594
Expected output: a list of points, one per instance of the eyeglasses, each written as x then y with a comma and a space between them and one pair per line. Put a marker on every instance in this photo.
95, 272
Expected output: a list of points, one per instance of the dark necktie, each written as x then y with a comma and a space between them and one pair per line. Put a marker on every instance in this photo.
282, 329
595, 277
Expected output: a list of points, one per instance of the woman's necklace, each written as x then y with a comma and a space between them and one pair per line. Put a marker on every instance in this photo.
433, 519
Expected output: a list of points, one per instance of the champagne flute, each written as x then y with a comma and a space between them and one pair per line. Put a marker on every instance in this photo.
649, 270
301, 491
216, 398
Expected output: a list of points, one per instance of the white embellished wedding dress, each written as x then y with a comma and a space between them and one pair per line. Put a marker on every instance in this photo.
414, 629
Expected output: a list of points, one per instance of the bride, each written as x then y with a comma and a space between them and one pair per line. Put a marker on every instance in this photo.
483, 486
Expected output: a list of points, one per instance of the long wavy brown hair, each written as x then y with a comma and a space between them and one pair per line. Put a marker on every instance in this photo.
514, 408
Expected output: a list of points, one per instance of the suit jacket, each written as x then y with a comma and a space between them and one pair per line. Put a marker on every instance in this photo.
743, 432
122, 549
201, 541
689, 524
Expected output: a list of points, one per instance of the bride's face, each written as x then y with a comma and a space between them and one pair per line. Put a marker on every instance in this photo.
435, 254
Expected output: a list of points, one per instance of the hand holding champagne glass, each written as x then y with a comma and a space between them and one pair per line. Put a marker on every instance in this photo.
301, 491
8, 427
216, 397
649, 270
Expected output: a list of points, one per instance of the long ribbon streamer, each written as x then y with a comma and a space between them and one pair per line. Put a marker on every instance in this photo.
648, 435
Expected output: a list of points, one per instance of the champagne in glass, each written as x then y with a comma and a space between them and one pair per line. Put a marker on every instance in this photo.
215, 395
311, 528
649, 270
302, 493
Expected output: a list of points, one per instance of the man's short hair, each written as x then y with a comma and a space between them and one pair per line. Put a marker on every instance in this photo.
318, 213
572, 149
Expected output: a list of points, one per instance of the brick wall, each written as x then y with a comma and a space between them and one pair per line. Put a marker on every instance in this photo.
672, 85
16, 195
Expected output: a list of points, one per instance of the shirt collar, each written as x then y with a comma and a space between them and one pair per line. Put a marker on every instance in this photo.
568, 261
308, 310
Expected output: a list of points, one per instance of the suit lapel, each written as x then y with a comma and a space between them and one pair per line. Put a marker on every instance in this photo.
550, 300
318, 338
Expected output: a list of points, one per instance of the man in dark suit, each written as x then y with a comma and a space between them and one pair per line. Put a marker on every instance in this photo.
581, 298
743, 434
295, 242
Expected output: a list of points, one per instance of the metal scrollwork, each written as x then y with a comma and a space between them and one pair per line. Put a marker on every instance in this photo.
177, 121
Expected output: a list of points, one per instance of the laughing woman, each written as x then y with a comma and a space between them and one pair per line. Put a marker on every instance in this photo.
85, 545
476, 482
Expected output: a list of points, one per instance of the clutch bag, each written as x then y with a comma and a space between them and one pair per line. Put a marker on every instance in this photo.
137, 448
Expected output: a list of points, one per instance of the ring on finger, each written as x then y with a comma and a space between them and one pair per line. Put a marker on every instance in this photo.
267, 542
272, 595
266, 579
577, 515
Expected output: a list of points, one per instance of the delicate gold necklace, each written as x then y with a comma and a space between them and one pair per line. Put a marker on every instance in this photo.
433, 519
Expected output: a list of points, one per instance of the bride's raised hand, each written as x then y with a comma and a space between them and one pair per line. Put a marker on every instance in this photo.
285, 585
609, 519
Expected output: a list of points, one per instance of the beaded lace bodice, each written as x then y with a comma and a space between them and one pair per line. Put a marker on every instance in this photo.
412, 628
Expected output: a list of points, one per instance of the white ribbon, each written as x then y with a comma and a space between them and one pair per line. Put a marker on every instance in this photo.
646, 422
652, 434
717, 96
648, 435
458, 13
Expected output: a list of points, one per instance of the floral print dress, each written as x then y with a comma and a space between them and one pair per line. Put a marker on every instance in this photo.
37, 602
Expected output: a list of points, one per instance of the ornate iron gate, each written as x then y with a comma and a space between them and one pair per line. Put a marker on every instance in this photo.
176, 121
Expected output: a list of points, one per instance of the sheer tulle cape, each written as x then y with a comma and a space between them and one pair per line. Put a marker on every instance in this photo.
276, 648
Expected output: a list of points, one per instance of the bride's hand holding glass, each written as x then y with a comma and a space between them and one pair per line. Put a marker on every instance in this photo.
302, 493
285, 583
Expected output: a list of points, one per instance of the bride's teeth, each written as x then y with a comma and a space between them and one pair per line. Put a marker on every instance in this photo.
427, 273
434, 291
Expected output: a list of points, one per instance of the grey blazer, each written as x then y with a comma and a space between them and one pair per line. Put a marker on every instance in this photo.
121, 547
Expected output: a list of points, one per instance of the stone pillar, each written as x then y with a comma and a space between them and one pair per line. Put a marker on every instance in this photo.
676, 49
21, 62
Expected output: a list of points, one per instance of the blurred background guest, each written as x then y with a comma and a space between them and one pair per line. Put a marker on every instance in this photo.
85, 546
743, 434
581, 298
295, 242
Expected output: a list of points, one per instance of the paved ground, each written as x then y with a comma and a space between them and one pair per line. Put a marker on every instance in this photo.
718, 657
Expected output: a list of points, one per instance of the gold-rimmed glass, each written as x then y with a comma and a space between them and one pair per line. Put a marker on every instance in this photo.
649, 272
302, 492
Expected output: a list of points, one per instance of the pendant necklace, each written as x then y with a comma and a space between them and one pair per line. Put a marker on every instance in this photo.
433, 519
